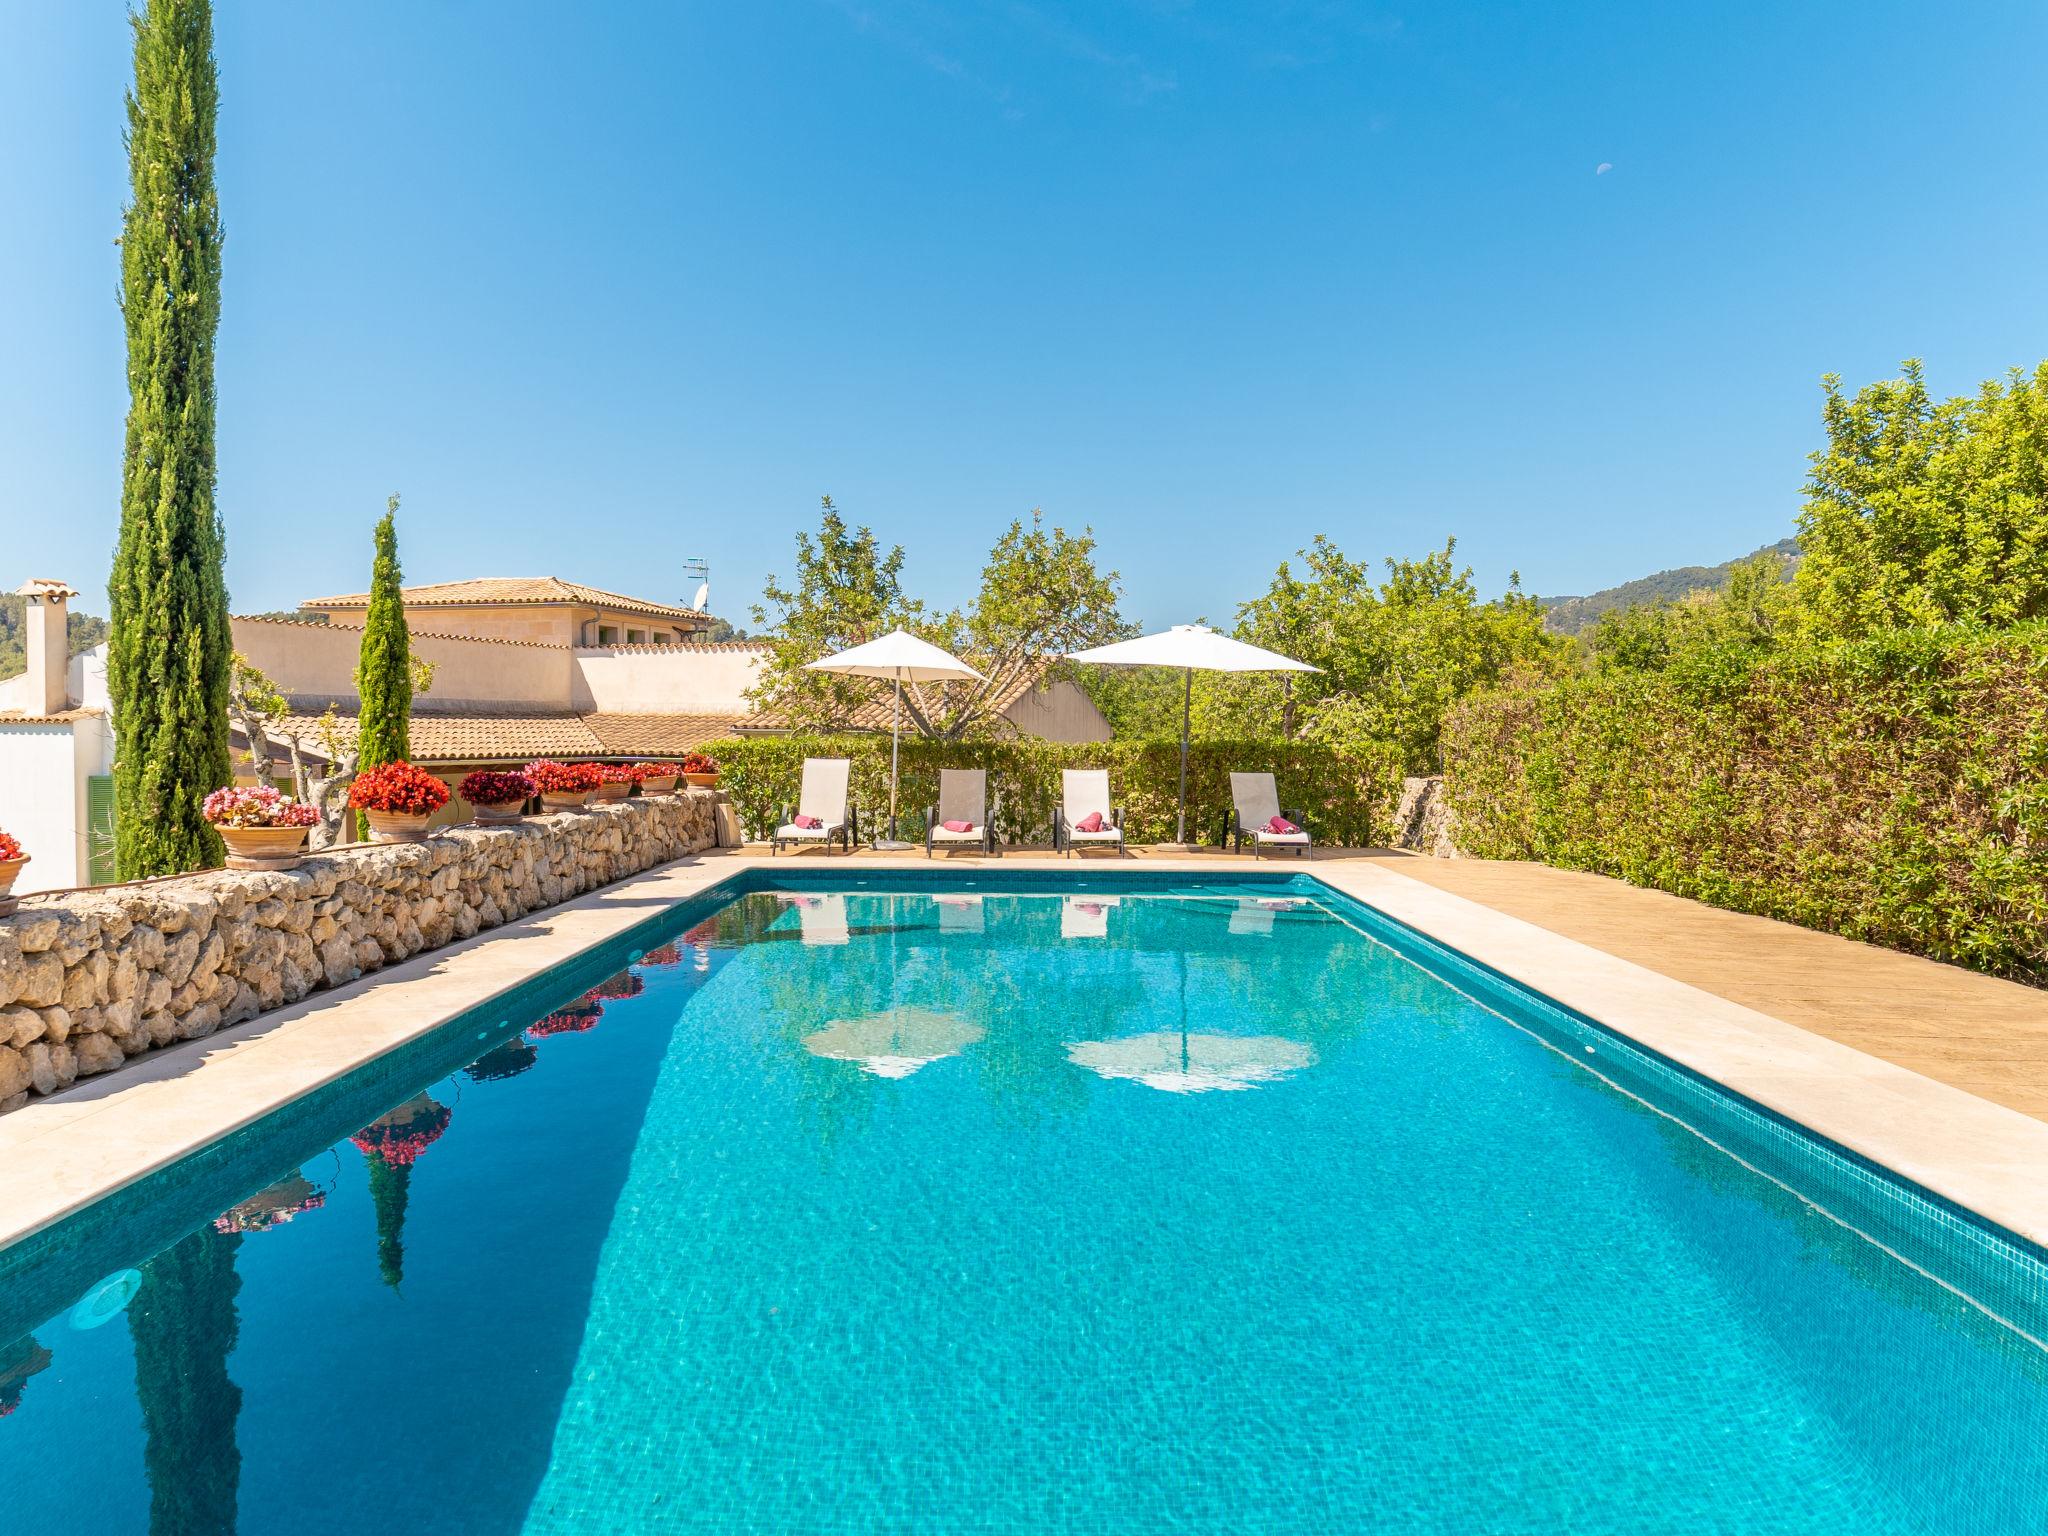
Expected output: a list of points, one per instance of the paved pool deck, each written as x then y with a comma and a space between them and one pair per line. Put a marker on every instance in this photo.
1937, 1073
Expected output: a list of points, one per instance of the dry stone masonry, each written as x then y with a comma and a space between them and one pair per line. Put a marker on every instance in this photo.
91, 979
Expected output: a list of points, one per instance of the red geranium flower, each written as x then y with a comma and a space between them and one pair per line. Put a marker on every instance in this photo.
399, 789
10, 848
553, 778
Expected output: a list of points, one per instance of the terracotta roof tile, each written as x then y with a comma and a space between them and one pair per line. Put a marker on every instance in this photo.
659, 735
523, 590
58, 717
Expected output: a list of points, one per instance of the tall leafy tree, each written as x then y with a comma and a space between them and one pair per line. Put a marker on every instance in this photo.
847, 591
1923, 512
384, 672
1041, 594
168, 646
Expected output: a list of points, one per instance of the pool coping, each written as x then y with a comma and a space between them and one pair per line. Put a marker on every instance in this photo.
64, 1152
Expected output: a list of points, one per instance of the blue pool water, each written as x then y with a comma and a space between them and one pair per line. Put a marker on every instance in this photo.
1017, 1204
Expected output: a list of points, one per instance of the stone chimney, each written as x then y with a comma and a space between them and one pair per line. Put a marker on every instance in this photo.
47, 687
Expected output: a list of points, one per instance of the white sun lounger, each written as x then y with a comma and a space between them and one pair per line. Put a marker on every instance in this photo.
1254, 802
963, 796
959, 912
1084, 791
823, 796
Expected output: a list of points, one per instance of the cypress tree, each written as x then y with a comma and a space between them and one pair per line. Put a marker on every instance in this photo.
384, 665
168, 646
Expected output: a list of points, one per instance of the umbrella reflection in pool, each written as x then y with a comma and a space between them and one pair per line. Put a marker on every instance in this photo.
1175, 1062
896, 1041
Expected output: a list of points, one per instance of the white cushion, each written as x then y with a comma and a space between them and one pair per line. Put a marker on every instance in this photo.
971, 835
1279, 837
791, 829
1106, 835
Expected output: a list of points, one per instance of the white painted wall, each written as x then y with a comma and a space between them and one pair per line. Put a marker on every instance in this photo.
666, 679
318, 661
42, 800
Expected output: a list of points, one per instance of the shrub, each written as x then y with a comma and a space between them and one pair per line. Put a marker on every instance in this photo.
260, 806
486, 787
1348, 798
553, 778
10, 848
398, 789
1893, 789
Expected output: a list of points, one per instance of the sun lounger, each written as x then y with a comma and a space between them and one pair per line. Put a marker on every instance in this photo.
1086, 917
1254, 803
1085, 793
963, 796
823, 800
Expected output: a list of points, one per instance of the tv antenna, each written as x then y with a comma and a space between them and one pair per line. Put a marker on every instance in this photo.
698, 571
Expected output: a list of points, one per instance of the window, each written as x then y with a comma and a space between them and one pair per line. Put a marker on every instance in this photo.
607, 634
635, 636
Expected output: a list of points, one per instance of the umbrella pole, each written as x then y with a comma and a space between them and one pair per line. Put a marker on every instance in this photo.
1187, 699
895, 737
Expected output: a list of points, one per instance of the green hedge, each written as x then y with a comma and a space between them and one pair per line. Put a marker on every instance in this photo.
1347, 800
1894, 790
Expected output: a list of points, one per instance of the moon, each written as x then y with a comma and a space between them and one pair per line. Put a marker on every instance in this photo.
1603, 168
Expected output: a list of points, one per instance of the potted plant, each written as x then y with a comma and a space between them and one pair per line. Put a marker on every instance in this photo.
262, 828
615, 781
11, 860
700, 771
498, 797
399, 799
656, 778
562, 786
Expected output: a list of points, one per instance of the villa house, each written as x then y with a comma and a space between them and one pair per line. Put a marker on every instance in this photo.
524, 667
544, 610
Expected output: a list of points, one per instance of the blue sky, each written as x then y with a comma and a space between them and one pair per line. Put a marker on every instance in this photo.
601, 288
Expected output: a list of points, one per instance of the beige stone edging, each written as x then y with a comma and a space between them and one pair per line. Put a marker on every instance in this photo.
62, 1153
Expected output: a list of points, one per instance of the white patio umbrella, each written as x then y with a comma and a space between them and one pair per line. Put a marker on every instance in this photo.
902, 658
1191, 648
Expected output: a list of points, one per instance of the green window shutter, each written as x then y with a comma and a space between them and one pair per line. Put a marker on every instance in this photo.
99, 829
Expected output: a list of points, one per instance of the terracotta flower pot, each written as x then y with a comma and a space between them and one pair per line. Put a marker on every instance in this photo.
702, 780
614, 791
264, 847
498, 815
393, 827
9, 868
665, 785
552, 800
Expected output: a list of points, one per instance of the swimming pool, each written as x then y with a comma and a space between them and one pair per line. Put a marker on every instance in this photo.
1021, 1202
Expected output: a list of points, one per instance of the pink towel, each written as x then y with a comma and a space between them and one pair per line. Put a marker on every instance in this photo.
1281, 824
1092, 822
957, 826
808, 823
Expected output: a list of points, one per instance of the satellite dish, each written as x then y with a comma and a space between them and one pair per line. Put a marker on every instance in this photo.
703, 596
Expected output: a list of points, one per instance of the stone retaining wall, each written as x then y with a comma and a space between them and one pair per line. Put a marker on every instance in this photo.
93, 978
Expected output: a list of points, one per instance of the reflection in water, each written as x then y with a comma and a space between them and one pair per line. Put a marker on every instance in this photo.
184, 1325
1086, 917
390, 1145
515, 1056
19, 1361
612, 989
1183, 1063
572, 1020
820, 919
896, 1041
272, 1207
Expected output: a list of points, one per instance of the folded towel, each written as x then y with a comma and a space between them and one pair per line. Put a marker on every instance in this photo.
957, 826
1092, 822
808, 823
1281, 824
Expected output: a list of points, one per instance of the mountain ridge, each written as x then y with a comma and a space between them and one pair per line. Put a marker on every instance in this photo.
1572, 615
